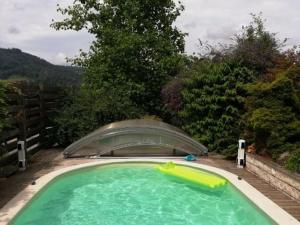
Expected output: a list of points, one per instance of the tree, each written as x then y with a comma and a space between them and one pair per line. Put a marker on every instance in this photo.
135, 46
256, 47
136, 50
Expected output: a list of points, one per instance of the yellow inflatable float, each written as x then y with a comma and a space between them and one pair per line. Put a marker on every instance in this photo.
192, 175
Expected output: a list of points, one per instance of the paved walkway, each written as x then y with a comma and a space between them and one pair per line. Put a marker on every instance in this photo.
46, 161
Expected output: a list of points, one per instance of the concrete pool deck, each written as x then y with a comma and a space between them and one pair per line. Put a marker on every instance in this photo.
47, 161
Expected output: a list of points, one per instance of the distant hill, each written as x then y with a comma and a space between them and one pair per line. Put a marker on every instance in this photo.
18, 65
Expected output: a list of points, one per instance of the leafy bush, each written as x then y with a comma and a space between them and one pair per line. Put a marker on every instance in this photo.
273, 108
212, 103
293, 162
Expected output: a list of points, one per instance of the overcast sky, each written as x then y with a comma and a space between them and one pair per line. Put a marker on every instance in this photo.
25, 24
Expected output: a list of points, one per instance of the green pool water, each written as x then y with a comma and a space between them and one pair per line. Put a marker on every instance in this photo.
135, 194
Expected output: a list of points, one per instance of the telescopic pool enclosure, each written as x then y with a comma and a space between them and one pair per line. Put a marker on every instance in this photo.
130, 135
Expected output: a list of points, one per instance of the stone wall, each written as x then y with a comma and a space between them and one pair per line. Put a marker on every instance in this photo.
275, 175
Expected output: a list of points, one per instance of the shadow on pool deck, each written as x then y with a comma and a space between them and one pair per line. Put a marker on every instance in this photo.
49, 160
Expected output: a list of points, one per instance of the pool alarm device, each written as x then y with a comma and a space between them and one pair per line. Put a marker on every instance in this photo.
22, 155
241, 158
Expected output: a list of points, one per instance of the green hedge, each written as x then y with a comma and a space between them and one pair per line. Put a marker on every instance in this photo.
212, 104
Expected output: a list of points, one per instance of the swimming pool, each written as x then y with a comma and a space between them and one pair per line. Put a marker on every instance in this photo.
23, 202
135, 194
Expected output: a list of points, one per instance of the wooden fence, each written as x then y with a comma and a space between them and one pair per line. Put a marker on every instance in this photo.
30, 109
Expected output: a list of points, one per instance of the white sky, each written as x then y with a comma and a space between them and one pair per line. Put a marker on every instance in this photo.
25, 24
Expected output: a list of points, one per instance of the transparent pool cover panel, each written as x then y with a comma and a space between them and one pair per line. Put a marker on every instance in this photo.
132, 134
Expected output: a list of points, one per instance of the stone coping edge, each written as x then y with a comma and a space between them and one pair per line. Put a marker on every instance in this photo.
280, 216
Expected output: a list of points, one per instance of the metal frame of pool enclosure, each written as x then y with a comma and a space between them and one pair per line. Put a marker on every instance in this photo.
131, 134
278, 215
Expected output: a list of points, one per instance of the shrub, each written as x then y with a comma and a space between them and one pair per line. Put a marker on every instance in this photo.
273, 108
293, 162
212, 103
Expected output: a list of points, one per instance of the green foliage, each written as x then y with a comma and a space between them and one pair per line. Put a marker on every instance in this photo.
135, 52
273, 109
249, 89
172, 100
212, 103
136, 48
256, 48
293, 162
17, 65
85, 111
171, 93
272, 102
3, 105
